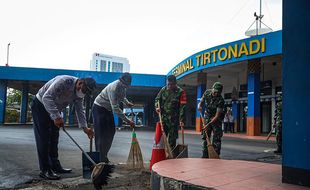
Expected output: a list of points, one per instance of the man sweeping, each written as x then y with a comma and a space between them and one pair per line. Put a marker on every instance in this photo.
107, 102
172, 101
214, 114
46, 109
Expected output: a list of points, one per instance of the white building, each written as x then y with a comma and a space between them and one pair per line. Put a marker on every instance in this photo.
109, 63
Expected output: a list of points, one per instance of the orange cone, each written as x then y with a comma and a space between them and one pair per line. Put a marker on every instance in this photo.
158, 152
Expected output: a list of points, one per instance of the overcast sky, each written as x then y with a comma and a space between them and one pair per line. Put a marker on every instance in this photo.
153, 35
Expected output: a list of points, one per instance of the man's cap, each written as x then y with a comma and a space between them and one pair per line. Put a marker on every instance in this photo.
172, 78
90, 84
126, 79
217, 87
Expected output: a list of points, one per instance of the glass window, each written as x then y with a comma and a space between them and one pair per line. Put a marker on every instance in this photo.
117, 67
103, 65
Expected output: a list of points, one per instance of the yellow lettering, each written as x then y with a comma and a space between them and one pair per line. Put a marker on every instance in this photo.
263, 45
198, 57
206, 57
190, 66
220, 54
183, 67
243, 50
214, 55
252, 51
232, 51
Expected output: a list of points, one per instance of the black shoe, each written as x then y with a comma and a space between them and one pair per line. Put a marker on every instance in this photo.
49, 174
106, 160
56, 167
62, 170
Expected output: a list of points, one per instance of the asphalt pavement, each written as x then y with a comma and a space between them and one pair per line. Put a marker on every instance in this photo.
19, 163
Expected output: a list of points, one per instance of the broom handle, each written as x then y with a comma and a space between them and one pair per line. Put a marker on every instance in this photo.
88, 157
203, 123
163, 132
160, 119
132, 118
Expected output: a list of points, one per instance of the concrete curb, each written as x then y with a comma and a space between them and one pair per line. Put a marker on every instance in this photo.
164, 183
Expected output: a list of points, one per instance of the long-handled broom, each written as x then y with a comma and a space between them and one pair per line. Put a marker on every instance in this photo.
101, 171
135, 158
211, 152
167, 146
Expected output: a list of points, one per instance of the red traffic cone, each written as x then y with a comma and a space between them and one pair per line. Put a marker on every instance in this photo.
158, 152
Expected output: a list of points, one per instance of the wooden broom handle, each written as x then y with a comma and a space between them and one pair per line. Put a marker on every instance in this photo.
203, 123
160, 119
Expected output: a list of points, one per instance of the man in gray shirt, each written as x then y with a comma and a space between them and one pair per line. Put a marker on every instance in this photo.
46, 109
107, 102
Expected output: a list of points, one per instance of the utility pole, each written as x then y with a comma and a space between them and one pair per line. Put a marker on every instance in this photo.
7, 55
258, 21
260, 14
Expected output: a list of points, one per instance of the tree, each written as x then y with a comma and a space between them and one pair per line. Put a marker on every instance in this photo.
14, 97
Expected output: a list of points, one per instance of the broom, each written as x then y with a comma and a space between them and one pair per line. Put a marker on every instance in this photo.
211, 152
135, 159
168, 149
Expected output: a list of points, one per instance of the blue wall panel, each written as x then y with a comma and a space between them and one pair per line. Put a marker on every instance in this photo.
296, 84
296, 92
39, 74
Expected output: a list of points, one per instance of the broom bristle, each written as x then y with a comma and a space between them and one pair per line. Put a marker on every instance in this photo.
135, 158
104, 174
212, 153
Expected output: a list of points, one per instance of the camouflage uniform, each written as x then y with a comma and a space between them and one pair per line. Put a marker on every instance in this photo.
212, 105
172, 106
278, 125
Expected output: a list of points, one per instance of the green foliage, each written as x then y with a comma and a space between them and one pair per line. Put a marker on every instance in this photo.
13, 97
11, 116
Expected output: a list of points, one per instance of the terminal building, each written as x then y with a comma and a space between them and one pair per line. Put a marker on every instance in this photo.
109, 63
249, 69
255, 72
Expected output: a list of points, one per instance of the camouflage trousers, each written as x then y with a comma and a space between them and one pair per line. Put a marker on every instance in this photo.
171, 131
217, 134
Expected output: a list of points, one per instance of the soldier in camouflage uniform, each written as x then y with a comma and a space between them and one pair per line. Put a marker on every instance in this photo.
214, 115
172, 101
278, 126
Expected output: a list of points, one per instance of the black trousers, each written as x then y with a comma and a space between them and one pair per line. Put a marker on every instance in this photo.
104, 127
46, 136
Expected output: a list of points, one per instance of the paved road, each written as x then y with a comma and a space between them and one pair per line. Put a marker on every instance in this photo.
19, 164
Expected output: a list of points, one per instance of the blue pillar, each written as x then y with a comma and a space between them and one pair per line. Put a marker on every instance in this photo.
253, 117
3, 90
296, 93
24, 104
236, 112
201, 88
116, 120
